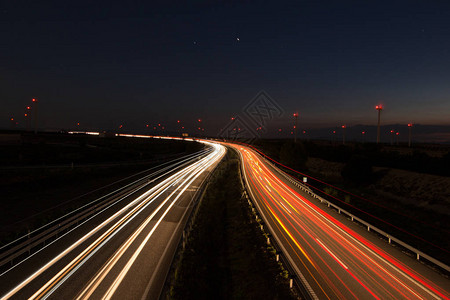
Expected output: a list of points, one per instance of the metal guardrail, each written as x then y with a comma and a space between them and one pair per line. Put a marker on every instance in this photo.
391, 239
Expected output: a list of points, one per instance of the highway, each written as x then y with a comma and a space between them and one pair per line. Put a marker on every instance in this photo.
333, 257
125, 251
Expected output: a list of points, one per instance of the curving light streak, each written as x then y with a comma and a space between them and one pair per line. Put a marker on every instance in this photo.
129, 212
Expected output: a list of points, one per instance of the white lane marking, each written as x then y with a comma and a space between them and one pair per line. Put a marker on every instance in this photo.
332, 254
285, 208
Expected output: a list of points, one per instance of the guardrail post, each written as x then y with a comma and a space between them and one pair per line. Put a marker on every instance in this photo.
291, 282
418, 256
352, 218
268, 241
368, 228
339, 211
278, 257
262, 227
389, 240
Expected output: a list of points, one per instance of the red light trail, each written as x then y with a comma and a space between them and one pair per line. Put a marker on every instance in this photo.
337, 261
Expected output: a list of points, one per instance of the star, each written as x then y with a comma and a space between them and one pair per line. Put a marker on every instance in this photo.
237, 39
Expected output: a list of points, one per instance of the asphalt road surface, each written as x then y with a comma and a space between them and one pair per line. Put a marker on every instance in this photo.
125, 251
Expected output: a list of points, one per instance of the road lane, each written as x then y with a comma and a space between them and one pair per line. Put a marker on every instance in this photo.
110, 253
336, 258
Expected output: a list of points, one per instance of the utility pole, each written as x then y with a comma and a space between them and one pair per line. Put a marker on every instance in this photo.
379, 108
295, 126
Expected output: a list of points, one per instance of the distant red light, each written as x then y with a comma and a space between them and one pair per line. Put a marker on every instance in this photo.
379, 107
343, 126
28, 107
26, 115
178, 121
34, 100
397, 133
410, 124
199, 120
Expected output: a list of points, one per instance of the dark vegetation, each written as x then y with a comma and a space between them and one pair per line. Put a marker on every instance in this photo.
226, 256
411, 223
46, 176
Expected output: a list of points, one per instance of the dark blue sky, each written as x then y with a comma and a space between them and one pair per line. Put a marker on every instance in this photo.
105, 63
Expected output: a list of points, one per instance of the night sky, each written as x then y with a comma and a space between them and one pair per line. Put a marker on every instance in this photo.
105, 63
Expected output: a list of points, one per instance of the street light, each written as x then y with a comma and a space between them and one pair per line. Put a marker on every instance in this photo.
35, 105
200, 126
27, 118
410, 125
397, 134
179, 127
379, 108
